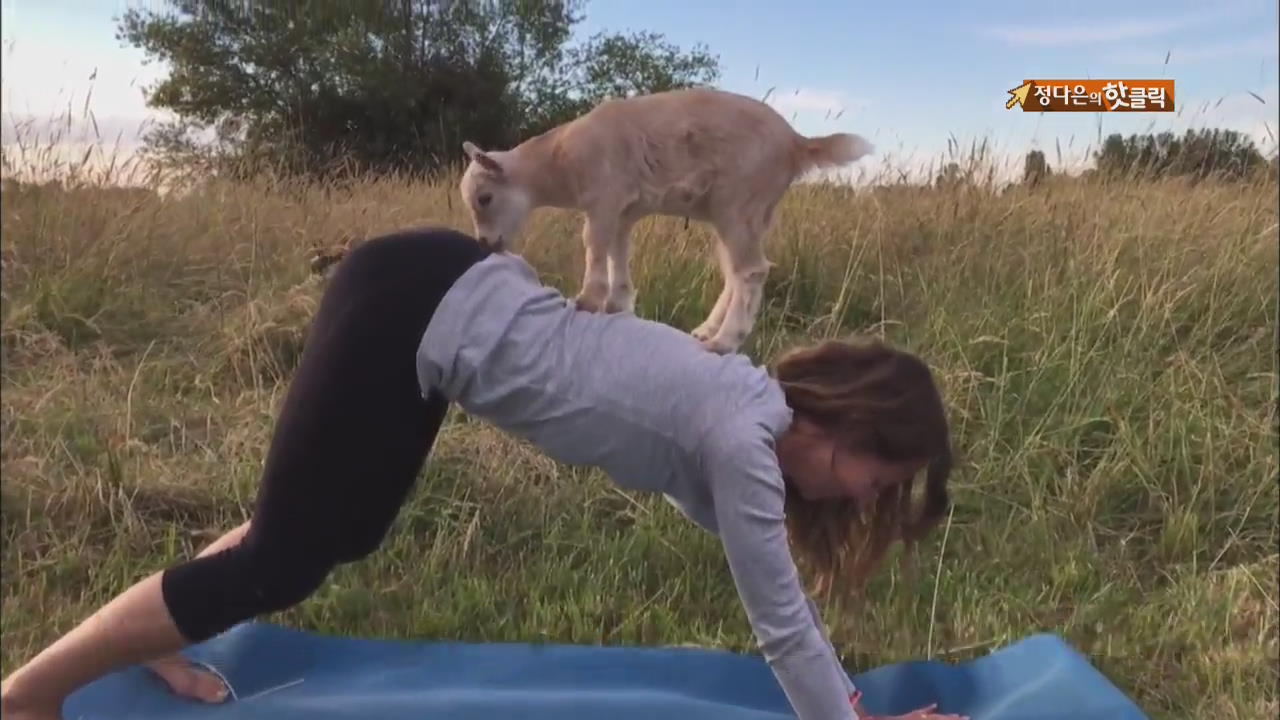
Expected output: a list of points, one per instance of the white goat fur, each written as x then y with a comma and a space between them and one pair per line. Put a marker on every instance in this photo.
700, 153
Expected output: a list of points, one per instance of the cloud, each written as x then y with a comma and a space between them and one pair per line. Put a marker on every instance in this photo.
1052, 33
45, 75
1261, 46
1243, 112
812, 102
1258, 119
806, 100
42, 131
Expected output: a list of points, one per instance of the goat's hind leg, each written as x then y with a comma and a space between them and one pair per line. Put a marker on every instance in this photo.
747, 270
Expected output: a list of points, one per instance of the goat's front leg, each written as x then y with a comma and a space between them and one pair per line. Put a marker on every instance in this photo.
622, 292
715, 318
598, 233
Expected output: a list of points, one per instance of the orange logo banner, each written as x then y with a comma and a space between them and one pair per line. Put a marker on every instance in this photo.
1093, 96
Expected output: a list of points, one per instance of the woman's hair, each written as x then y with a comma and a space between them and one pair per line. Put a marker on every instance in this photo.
873, 399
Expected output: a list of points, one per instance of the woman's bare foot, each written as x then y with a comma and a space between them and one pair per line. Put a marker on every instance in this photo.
187, 680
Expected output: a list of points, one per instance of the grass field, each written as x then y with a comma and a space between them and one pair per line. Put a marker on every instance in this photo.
1106, 352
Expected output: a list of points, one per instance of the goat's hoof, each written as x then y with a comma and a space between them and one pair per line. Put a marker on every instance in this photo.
704, 332
613, 306
588, 304
715, 345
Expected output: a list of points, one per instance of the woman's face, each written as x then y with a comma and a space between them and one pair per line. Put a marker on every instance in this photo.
822, 468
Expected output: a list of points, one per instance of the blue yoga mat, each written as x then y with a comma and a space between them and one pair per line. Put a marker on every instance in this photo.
285, 674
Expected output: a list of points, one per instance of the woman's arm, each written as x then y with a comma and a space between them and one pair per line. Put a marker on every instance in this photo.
817, 621
749, 501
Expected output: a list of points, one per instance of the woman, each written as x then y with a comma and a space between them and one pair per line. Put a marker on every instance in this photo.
413, 321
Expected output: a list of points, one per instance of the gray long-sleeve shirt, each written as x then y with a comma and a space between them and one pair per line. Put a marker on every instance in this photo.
656, 412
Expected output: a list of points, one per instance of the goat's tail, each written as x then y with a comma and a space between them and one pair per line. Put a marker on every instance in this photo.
832, 150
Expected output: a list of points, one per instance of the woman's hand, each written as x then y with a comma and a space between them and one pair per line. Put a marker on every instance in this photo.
924, 713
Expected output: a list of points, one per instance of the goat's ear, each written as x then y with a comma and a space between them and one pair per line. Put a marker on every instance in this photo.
486, 161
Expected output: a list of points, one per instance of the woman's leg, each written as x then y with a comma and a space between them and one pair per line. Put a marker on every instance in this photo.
351, 437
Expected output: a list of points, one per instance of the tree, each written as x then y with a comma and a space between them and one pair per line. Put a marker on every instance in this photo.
382, 85
1198, 153
1035, 168
950, 177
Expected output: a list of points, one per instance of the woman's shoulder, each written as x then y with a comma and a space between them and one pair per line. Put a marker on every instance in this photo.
497, 280
757, 416
505, 263
741, 451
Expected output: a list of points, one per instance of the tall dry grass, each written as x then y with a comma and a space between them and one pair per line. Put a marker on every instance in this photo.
1106, 350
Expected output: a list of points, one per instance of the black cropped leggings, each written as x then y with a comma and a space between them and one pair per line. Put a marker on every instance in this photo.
351, 437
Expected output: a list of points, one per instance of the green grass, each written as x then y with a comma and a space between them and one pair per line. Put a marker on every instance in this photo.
1106, 351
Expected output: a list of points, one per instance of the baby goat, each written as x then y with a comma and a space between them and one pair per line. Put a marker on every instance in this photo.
698, 153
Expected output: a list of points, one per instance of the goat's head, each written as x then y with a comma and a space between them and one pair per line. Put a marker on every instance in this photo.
497, 202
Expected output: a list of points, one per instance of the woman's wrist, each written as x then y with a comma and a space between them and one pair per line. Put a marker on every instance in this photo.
859, 712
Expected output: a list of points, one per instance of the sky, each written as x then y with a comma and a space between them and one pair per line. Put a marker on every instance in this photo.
912, 77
